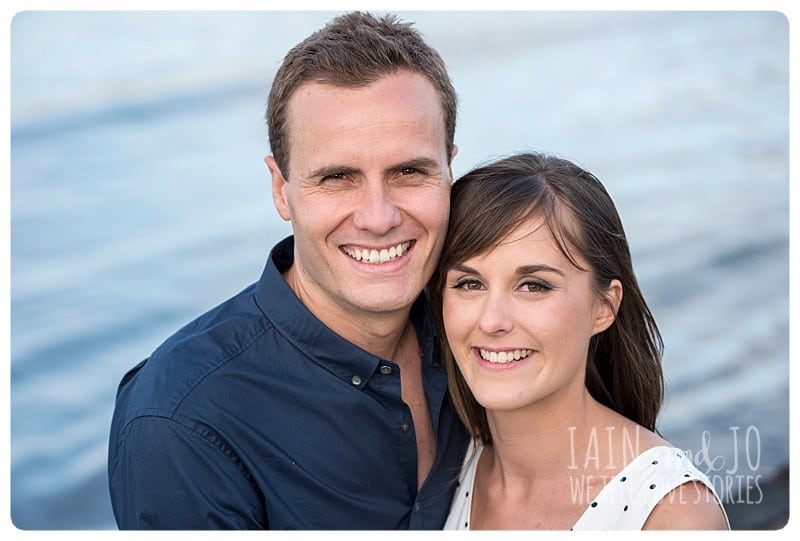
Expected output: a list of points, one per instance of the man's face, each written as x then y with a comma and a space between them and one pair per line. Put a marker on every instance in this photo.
368, 193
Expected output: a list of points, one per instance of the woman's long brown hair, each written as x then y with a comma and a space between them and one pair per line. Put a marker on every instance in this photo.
623, 369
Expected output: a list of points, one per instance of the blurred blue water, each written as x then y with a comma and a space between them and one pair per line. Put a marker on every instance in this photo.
139, 199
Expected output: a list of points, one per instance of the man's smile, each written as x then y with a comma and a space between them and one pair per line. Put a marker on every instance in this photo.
377, 255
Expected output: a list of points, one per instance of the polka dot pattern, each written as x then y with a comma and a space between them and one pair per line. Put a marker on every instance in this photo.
623, 504
641, 485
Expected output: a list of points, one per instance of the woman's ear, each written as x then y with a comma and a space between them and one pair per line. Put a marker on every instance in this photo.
608, 306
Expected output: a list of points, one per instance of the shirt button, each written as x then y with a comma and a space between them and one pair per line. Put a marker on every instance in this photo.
356, 380
386, 370
404, 426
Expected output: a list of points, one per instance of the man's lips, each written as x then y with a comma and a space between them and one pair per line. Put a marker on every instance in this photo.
374, 255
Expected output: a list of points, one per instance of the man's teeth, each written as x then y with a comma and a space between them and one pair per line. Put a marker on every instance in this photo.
375, 257
504, 356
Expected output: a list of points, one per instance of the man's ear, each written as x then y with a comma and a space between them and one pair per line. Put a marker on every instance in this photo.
608, 306
278, 188
452, 157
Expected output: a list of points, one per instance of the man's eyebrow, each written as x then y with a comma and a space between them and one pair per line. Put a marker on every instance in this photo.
416, 163
413, 163
327, 170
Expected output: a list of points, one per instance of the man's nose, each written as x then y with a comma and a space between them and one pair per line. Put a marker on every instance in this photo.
376, 211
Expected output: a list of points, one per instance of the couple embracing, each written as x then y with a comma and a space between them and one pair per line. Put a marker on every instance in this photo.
420, 353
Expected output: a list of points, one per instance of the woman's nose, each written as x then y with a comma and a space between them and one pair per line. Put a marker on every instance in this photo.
496, 318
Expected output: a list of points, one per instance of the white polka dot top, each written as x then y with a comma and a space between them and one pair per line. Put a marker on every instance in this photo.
625, 501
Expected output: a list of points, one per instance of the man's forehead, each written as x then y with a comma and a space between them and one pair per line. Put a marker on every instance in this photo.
399, 113
412, 88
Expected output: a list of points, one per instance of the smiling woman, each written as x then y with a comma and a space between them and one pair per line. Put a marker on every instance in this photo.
498, 305
549, 340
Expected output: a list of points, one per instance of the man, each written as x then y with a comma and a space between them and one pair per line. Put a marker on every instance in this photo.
314, 398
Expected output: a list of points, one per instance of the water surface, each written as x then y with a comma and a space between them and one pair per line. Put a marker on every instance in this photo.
139, 199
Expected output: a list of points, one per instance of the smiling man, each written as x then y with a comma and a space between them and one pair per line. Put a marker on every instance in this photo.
315, 398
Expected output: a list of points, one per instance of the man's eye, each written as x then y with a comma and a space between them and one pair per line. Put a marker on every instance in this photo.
335, 176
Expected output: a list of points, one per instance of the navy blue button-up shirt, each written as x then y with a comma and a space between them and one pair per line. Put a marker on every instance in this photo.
257, 415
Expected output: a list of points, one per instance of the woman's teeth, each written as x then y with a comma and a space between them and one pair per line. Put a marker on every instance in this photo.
504, 356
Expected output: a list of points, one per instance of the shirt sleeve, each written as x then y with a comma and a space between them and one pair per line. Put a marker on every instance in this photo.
166, 475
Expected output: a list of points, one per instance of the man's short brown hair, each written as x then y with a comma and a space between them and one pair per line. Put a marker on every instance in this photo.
355, 50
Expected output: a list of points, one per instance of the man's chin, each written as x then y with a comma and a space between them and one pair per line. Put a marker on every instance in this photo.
386, 302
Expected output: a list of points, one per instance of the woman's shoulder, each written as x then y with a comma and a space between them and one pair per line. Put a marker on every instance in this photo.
656, 486
689, 506
659, 489
460, 508
687, 500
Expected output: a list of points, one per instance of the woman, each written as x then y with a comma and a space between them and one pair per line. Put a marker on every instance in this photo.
554, 361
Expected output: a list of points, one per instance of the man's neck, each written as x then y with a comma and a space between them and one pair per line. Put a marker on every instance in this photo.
383, 334
386, 339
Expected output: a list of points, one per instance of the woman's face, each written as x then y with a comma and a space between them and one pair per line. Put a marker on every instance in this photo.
519, 319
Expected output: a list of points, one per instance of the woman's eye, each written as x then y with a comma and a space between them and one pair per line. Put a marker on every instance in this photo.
468, 285
535, 287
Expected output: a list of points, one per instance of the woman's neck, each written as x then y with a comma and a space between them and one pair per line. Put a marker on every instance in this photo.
539, 441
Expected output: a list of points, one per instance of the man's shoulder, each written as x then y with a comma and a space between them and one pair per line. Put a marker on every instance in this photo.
193, 354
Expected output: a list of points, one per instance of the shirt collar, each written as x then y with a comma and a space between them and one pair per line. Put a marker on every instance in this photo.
297, 324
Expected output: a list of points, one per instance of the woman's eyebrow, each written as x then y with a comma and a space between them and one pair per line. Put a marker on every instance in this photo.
521, 271
463, 268
532, 269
